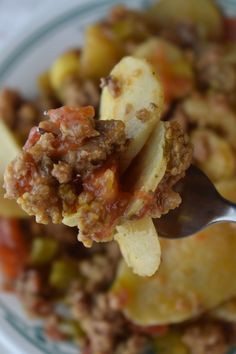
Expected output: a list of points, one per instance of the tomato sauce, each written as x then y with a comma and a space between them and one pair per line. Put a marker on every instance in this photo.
34, 136
104, 184
13, 249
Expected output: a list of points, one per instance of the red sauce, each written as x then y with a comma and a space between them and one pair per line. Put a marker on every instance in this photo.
230, 28
13, 249
104, 184
71, 124
34, 136
174, 83
72, 115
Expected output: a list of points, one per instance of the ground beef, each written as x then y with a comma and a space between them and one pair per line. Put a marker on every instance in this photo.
179, 155
10, 101
90, 305
112, 84
182, 34
18, 113
106, 329
216, 68
77, 93
213, 111
32, 291
136, 344
206, 338
50, 173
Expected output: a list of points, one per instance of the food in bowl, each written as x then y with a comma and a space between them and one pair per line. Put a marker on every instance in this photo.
77, 171
187, 305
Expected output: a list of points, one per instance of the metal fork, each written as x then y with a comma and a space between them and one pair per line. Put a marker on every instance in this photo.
201, 206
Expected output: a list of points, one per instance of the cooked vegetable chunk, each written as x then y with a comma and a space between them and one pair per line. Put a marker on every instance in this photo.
172, 64
137, 101
195, 275
202, 15
65, 66
99, 54
139, 245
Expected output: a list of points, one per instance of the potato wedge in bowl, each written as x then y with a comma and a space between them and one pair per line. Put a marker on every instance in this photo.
194, 276
71, 167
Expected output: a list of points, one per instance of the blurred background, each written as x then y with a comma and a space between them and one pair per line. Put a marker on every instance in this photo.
15, 14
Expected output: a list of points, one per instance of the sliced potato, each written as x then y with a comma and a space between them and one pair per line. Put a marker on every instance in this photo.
66, 65
139, 104
173, 66
9, 208
219, 160
100, 53
147, 170
9, 147
202, 14
9, 150
139, 245
195, 275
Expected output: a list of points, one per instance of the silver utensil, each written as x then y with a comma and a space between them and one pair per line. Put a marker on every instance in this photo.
201, 206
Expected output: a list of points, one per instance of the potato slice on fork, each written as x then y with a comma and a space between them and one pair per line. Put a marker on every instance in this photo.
138, 102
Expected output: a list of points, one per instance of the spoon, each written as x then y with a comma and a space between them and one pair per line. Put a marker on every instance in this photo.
201, 207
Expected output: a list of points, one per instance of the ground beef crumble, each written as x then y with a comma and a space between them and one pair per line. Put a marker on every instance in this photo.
77, 93
47, 176
209, 337
179, 159
69, 172
18, 113
112, 84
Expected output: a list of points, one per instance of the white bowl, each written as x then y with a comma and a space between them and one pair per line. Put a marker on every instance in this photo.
49, 34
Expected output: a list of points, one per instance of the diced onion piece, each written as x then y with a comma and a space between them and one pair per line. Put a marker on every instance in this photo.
139, 245
139, 103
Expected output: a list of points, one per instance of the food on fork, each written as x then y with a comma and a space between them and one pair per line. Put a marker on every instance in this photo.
108, 176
